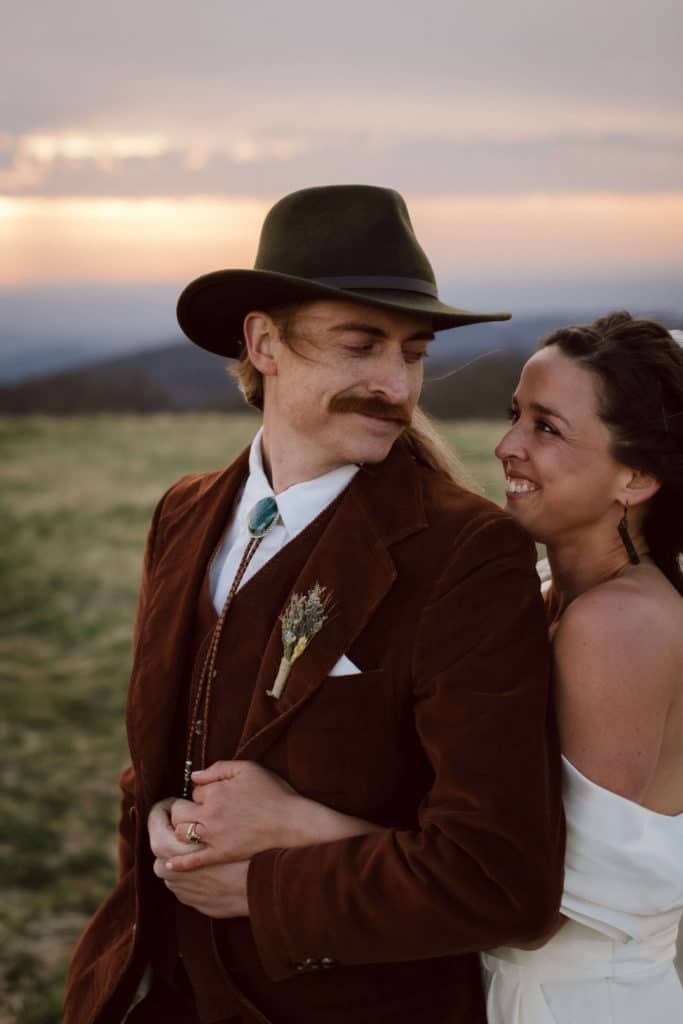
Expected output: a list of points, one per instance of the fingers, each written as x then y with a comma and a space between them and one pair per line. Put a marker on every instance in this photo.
162, 838
160, 869
171, 882
190, 861
171, 868
218, 771
183, 811
163, 805
168, 848
184, 831
159, 816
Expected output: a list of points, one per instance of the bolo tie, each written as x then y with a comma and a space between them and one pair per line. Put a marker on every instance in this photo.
262, 518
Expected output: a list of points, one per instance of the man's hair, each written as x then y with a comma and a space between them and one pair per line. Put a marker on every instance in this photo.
421, 438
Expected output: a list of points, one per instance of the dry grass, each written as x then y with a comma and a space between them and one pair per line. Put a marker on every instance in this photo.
77, 497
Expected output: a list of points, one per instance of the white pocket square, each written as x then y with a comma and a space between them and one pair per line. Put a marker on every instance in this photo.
345, 667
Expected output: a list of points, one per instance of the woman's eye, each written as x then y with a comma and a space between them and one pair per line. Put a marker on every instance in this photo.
513, 414
545, 428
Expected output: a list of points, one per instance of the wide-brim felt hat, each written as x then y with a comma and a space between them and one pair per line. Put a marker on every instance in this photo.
340, 242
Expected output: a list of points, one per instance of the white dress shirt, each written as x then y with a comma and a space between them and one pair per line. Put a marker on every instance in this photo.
299, 505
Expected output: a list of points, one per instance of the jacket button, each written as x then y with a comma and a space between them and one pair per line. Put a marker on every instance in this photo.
133, 813
326, 962
309, 963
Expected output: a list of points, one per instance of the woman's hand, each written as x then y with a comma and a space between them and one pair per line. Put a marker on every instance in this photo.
239, 809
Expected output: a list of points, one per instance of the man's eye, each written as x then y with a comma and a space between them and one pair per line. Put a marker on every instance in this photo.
415, 357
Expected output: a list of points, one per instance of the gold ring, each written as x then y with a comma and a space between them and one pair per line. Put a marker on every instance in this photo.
192, 834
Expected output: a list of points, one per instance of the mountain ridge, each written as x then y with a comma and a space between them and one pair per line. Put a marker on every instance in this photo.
470, 372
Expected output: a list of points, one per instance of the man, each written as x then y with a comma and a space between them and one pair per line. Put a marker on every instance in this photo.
419, 702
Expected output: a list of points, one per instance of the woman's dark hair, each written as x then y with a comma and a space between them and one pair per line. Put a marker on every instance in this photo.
640, 368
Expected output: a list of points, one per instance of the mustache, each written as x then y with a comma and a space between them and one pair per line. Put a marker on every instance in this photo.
372, 407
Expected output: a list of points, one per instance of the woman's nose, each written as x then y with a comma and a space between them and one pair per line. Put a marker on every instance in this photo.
510, 445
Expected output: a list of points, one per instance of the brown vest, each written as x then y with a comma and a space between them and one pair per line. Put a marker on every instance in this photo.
214, 953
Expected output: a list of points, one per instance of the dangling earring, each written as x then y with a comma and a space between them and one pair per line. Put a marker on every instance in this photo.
626, 538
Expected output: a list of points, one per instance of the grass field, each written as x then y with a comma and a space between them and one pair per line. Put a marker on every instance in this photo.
77, 498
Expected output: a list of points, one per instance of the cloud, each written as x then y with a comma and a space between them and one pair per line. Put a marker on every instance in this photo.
148, 165
82, 65
166, 98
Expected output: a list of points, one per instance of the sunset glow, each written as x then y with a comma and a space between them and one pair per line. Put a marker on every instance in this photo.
55, 240
539, 149
161, 239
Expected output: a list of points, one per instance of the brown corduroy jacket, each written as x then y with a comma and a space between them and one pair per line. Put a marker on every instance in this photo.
446, 737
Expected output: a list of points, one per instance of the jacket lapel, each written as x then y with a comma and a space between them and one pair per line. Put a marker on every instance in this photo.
353, 562
187, 536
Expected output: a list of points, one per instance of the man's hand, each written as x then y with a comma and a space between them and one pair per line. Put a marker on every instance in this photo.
162, 836
217, 891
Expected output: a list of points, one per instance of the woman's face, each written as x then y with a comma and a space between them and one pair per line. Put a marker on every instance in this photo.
560, 477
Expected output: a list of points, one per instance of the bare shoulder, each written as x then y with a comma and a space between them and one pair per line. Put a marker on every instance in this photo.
638, 619
618, 654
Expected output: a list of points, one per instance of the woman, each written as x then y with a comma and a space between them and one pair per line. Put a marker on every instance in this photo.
594, 469
593, 464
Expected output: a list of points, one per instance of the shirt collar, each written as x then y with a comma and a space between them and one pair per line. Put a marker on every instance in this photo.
300, 504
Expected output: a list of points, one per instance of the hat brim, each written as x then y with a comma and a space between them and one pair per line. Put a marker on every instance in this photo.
211, 310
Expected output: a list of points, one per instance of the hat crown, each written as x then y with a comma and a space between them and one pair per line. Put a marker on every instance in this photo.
340, 231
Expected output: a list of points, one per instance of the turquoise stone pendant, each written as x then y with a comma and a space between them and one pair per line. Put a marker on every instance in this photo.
262, 517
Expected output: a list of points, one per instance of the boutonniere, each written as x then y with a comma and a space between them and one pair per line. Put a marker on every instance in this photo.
302, 619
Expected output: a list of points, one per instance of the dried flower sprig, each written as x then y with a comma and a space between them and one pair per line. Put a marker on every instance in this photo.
302, 619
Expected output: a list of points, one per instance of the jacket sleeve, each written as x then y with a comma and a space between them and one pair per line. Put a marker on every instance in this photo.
485, 867
128, 812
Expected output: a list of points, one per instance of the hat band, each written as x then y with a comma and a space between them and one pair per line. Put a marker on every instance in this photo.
397, 284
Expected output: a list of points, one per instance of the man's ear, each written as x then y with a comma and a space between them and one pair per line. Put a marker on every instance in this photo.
638, 487
259, 334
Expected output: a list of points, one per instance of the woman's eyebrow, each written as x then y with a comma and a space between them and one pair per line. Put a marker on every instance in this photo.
545, 410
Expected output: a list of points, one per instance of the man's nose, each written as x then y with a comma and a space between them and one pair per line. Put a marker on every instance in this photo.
392, 379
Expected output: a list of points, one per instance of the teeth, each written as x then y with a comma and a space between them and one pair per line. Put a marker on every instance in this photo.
519, 486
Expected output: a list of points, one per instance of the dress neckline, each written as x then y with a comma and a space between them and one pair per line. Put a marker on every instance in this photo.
617, 796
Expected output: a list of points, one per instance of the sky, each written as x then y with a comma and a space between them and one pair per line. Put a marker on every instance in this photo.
539, 147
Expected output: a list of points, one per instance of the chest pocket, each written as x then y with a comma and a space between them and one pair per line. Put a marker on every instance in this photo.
342, 746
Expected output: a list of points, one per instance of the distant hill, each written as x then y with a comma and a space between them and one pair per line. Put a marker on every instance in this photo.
184, 378
177, 377
470, 372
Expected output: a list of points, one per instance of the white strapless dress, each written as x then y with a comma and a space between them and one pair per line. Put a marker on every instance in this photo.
613, 962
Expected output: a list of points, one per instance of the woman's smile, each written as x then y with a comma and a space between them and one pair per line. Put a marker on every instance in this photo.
519, 486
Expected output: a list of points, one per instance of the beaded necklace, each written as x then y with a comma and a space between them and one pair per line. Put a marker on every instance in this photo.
262, 518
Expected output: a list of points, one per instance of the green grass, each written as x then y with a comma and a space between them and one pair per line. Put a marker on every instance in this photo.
77, 496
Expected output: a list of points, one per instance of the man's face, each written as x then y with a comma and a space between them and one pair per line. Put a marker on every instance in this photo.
347, 378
